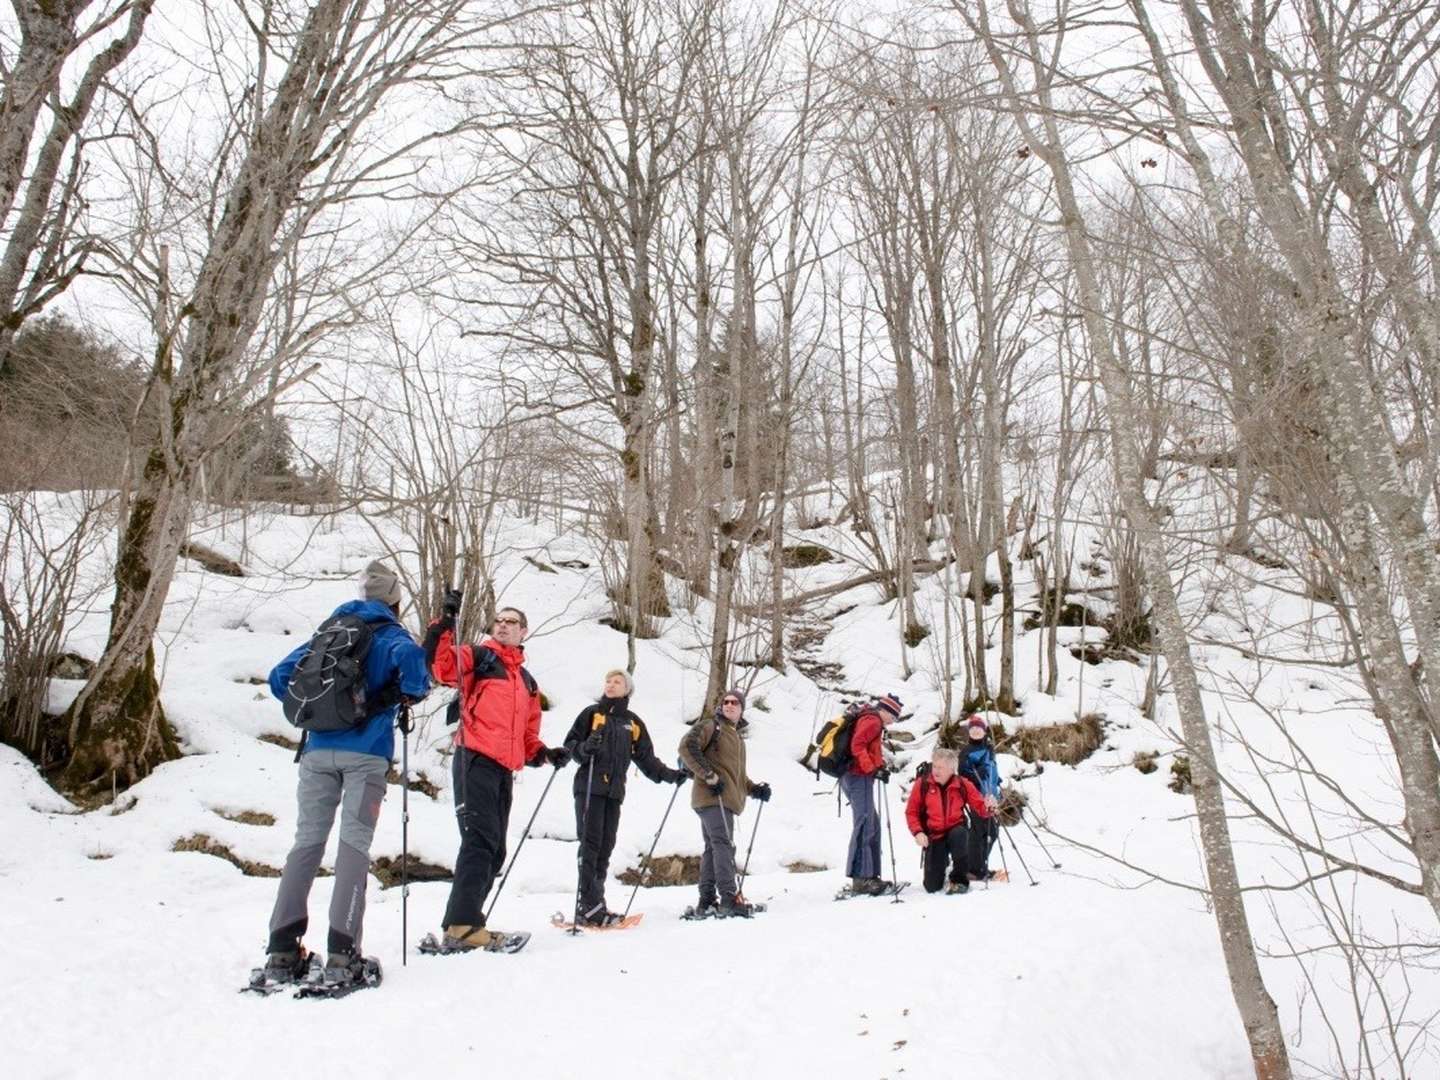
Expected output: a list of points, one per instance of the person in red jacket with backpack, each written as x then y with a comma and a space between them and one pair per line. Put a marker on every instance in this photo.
937, 819
499, 732
867, 764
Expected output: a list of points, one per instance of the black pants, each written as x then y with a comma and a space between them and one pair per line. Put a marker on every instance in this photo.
952, 849
965, 850
983, 834
596, 826
483, 790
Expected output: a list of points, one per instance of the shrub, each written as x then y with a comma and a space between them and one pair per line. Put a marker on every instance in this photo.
1066, 744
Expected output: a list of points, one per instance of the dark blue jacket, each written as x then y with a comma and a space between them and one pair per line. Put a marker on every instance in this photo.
394, 655
977, 764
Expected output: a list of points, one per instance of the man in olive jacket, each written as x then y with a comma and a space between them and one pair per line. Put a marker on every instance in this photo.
714, 751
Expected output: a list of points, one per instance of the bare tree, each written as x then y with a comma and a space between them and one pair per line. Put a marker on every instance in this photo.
1038, 120
299, 148
42, 199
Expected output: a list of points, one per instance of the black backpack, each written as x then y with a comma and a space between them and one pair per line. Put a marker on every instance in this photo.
833, 742
327, 690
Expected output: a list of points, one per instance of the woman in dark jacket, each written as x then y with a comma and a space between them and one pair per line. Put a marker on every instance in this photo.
604, 739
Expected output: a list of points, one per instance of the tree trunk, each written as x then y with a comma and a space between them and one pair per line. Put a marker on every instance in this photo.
118, 730
1256, 1007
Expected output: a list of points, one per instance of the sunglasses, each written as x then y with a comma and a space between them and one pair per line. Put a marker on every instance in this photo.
507, 622
730, 701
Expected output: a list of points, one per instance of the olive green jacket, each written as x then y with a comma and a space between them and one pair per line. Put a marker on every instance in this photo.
713, 748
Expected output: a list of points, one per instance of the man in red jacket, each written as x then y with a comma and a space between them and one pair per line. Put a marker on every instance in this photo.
499, 732
867, 756
936, 815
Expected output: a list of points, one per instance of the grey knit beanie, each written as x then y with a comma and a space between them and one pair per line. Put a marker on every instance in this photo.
381, 583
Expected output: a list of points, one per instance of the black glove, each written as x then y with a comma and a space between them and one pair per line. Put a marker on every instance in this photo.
557, 756
716, 786
450, 603
761, 792
678, 776
591, 746
882, 774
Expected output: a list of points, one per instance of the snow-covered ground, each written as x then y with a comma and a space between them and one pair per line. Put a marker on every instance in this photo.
122, 957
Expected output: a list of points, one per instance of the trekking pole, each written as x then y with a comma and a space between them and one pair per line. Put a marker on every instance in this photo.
405, 834
894, 874
523, 837
740, 888
580, 855
994, 842
1053, 864
1016, 849
650, 854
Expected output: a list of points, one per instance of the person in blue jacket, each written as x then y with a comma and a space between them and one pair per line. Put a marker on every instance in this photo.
344, 770
977, 764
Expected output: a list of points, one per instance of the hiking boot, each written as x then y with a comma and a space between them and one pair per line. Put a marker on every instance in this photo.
288, 965
956, 887
873, 886
460, 938
599, 915
735, 908
343, 967
706, 906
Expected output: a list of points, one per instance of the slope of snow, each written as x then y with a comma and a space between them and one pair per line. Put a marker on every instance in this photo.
1098, 971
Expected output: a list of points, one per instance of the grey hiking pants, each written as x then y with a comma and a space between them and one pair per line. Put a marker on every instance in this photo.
717, 865
862, 860
355, 783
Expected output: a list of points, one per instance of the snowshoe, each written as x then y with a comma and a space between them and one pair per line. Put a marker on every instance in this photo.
735, 908
880, 888
611, 921
497, 941
343, 978
698, 912
282, 971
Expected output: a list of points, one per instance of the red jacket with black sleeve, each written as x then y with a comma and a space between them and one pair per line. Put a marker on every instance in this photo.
936, 808
500, 701
866, 754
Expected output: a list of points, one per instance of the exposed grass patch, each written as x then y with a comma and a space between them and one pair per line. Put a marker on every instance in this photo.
280, 741
1180, 780
207, 845
99, 856
211, 559
419, 782
798, 556
664, 870
1011, 806
245, 817
1066, 744
1146, 761
800, 866
387, 869
915, 633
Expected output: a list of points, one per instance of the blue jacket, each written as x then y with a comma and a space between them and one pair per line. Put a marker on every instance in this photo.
394, 655
977, 764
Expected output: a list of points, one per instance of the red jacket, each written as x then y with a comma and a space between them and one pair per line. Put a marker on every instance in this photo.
944, 805
500, 713
865, 750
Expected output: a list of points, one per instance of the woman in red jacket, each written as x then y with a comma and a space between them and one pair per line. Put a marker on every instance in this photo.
936, 815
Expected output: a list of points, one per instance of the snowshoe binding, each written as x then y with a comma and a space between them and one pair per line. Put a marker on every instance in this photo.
282, 971
871, 887
344, 973
476, 939
609, 920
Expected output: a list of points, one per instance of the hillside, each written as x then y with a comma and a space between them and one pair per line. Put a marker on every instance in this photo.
125, 954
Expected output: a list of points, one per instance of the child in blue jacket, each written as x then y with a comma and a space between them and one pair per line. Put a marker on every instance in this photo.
977, 764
